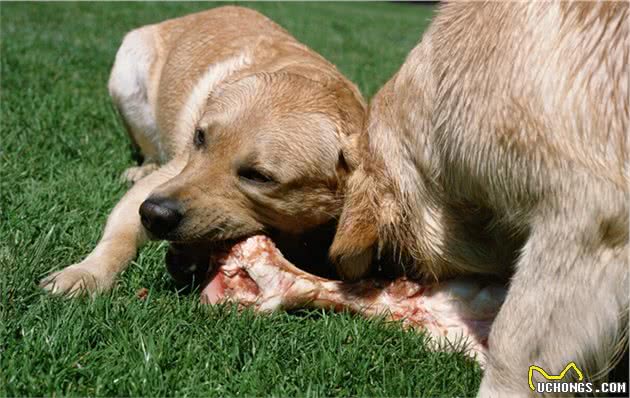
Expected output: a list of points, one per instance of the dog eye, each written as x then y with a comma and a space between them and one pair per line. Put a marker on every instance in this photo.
252, 175
200, 138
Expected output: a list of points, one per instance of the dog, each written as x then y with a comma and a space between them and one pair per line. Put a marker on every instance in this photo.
500, 148
243, 130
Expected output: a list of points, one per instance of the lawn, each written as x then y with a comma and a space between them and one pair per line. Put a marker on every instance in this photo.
62, 150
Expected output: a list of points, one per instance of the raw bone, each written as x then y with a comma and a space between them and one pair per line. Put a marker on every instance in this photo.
255, 274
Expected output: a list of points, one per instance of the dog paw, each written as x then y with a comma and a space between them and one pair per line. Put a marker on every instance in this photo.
73, 281
136, 173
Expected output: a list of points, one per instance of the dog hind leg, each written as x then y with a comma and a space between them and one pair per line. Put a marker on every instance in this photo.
130, 88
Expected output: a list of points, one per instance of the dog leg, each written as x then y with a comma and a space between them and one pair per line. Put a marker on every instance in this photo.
130, 88
121, 239
567, 299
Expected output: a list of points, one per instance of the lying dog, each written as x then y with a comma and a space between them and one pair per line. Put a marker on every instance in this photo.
243, 131
499, 148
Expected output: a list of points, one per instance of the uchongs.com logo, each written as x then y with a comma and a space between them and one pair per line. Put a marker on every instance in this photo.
554, 384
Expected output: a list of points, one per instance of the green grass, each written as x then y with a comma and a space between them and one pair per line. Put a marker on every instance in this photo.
62, 149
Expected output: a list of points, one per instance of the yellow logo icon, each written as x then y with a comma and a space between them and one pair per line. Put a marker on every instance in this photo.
553, 377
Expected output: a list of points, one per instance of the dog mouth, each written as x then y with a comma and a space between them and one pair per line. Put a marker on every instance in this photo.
190, 263
193, 264
254, 273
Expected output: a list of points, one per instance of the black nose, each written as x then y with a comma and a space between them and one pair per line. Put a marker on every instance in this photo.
160, 216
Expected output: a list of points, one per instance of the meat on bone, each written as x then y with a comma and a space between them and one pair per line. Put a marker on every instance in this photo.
255, 274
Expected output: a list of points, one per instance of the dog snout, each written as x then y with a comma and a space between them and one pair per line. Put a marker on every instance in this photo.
160, 215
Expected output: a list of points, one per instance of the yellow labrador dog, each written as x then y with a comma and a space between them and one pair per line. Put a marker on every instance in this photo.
243, 130
499, 148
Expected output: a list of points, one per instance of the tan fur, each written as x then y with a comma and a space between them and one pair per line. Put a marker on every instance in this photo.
262, 99
499, 148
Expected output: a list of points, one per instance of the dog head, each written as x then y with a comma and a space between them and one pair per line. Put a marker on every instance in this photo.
270, 153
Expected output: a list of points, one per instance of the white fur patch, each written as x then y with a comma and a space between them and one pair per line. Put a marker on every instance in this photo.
192, 111
129, 83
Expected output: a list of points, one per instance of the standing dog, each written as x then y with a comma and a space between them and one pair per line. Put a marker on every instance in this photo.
242, 129
499, 148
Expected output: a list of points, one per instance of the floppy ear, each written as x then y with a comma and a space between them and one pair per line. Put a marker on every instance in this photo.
353, 248
357, 231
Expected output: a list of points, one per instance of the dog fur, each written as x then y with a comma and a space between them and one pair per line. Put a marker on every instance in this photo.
241, 125
499, 148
